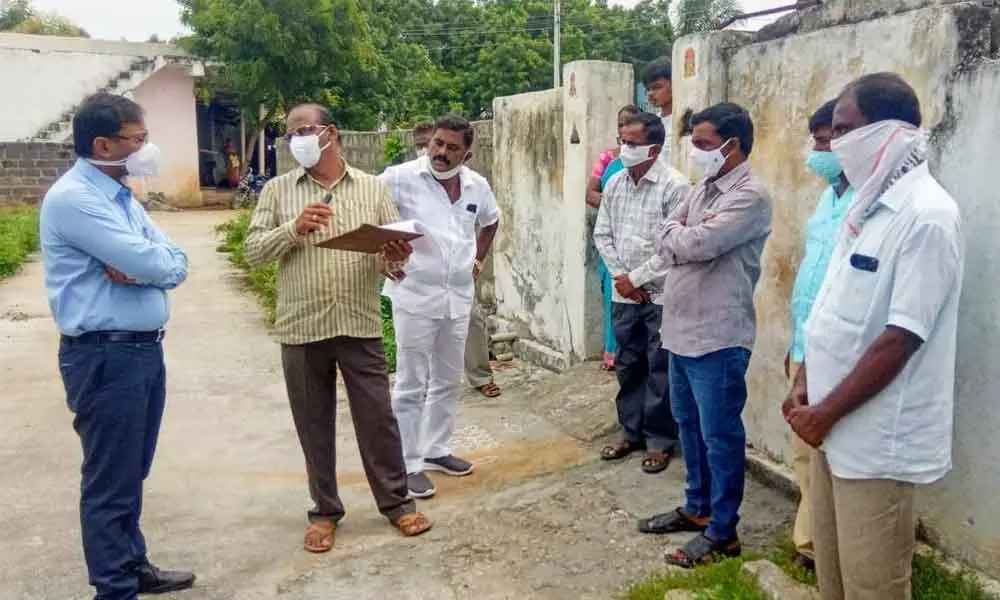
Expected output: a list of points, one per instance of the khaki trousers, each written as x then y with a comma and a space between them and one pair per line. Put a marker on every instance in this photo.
477, 350
801, 459
863, 533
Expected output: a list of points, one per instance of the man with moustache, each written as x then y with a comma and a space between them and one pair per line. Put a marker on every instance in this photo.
433, 297
329, 316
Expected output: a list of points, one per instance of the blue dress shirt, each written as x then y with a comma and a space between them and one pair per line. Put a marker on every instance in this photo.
88, 221
822, 233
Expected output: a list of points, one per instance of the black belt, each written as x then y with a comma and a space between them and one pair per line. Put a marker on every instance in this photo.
116, 337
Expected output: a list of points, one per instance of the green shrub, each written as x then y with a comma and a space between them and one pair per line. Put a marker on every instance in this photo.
263, 279
18, 238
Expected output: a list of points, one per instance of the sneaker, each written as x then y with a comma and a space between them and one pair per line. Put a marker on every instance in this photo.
420, 485
449, 465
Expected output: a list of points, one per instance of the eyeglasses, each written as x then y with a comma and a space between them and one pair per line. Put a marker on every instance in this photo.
306, 130
135, 139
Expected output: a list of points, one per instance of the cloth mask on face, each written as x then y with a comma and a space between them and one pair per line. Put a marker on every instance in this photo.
709, 161
445, 175
144, 162
824, 165
306, 150
633, 156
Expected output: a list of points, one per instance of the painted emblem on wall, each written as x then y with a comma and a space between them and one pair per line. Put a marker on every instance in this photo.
572, 85
689, 63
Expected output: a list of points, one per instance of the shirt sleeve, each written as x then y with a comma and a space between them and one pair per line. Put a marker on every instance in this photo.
86, 220
929, 263
388, 211
741, 216
604, 238
656, 266
267, 239
489, 212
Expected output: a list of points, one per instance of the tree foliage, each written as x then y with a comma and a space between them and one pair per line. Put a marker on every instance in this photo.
20, 16
702, 15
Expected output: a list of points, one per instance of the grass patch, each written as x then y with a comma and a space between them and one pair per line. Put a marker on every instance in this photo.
932, 580
263, 279
18, 238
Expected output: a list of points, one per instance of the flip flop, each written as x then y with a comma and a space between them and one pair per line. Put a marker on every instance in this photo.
490, 390
319, 537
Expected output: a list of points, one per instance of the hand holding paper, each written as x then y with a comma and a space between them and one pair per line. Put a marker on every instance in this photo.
371, 239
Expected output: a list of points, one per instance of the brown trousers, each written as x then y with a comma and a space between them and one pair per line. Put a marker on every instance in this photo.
311, 380
863, 535
477, 350
801, 460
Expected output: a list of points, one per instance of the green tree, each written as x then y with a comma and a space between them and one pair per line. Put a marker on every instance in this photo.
703, 15
20, 16
275, 53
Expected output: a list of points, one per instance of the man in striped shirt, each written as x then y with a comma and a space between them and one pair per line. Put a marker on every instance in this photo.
328, 317
635, 204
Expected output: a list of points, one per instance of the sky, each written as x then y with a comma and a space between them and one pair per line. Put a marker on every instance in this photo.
136, 20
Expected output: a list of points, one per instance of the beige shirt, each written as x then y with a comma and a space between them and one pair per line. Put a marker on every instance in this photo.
322, 293
713, 242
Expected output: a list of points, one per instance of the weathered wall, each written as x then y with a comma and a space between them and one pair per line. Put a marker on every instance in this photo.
28, 169
169, 101
943, 49
528, 252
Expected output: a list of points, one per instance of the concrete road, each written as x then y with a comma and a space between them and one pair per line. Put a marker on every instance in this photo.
541, 518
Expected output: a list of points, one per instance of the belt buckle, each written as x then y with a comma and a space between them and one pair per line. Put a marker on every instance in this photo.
159, 335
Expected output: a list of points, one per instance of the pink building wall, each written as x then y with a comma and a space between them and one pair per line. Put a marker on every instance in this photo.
169, 100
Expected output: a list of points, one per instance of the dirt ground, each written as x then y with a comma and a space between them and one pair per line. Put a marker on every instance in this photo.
541, 518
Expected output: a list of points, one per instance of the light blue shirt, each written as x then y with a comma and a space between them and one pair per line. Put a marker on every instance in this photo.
822, 231
89, 220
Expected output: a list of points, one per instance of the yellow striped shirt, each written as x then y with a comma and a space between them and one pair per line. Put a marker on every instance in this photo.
322, 293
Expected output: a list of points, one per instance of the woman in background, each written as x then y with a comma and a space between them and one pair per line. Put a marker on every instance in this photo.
607, 165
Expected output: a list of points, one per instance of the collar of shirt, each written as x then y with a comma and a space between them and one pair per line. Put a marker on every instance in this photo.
301, 174
900, 192
653, 175
107, 185
728, 181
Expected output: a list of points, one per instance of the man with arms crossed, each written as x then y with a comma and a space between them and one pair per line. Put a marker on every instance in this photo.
433, 298
329, 317
107, 272
875, 395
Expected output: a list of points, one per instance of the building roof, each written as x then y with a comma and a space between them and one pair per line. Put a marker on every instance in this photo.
52, 43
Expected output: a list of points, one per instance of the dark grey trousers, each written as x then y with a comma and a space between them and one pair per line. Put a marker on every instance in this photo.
642, 368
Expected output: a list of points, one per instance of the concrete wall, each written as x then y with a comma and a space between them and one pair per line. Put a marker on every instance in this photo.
28, 169
946, 50
169, 101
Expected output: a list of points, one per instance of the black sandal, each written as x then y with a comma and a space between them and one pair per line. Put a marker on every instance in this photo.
703, 550
674, 521
656, 461
621, 450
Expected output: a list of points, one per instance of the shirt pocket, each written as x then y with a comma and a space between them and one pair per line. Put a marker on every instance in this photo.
854, 292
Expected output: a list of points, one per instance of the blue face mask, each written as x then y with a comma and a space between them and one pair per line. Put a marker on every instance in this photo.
825, 165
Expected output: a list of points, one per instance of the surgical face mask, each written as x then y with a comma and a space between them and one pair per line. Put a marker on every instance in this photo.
633, 156
824, 165
145, 162
709, 161
306, 150
445, 175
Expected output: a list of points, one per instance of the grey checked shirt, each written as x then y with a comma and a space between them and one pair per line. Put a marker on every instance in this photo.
630, 216
713, 242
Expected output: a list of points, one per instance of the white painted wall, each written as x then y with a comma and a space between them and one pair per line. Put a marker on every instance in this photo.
168, 98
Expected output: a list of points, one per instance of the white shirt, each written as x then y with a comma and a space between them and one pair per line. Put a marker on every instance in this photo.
905, 432
439, 282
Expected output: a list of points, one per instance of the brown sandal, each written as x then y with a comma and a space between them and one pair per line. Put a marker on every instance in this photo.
490, 390
656, 461
621, 449
413, 524
319, 536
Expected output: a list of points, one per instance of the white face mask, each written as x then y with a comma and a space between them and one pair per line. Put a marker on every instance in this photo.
306, 150
145, 162
633, 156
709, 161
445, 175
861, 151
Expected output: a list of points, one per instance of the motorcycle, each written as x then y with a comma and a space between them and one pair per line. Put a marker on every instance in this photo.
248, 190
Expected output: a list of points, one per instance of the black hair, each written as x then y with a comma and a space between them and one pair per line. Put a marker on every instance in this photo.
652, 127
325, 115
657, 69
730, 121
459, 124
102, 115
423, 127
629, 109
823, 117
885, 96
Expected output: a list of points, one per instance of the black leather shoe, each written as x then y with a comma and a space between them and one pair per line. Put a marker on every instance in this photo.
155, 581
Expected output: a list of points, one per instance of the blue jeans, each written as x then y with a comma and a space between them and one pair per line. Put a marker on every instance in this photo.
708, 394
116, 392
